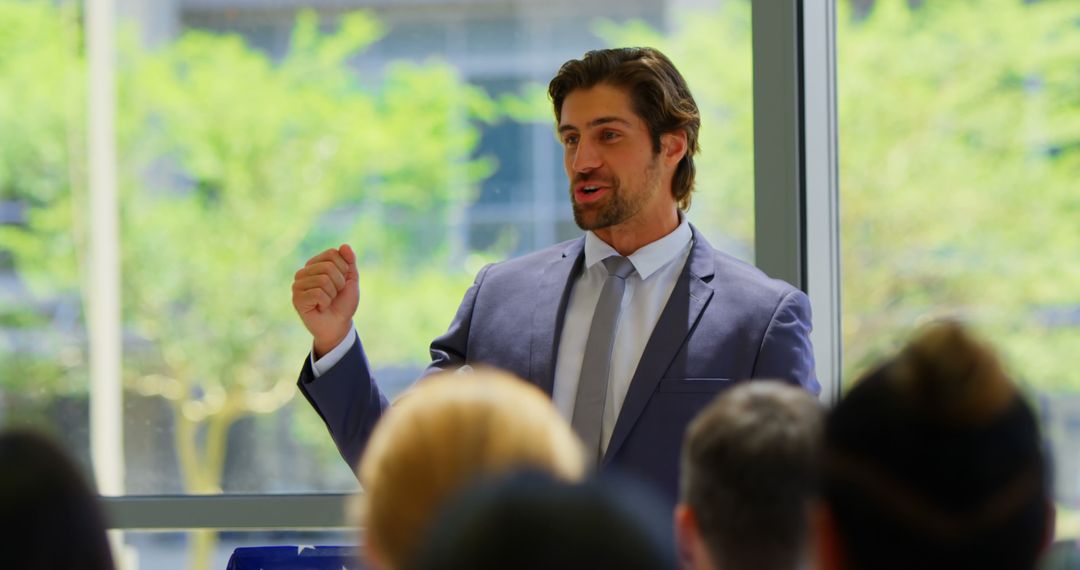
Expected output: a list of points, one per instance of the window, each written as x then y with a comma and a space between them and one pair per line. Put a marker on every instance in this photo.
959, 152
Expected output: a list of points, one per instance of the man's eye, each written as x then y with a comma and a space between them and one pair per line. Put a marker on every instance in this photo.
570, 140
609, 135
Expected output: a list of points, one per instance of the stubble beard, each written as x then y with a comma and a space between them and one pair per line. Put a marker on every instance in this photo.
614, 210
617, 208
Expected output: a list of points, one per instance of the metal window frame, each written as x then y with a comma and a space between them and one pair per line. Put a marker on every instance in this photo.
796, 193
796, 239
226, 512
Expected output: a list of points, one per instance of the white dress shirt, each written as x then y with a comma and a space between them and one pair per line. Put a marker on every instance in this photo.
656, 270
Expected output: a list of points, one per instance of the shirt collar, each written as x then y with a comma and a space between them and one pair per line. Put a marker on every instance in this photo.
646, 260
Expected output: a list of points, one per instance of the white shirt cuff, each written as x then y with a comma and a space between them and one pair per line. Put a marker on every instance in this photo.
328, 360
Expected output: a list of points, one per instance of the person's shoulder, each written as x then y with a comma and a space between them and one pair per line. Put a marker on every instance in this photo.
743, 283
727, 268
734, 268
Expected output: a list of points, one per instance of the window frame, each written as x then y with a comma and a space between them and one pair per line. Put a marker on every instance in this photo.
796, 194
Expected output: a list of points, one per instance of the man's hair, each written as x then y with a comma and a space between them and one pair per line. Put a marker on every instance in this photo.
658, 93
49, 514
529, 521
749, 469
933, 460
445, 433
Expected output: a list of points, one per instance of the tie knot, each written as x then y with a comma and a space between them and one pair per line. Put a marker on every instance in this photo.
619, 266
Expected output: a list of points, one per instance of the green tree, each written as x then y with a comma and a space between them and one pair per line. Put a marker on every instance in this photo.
235, 169
959, 161
42, 114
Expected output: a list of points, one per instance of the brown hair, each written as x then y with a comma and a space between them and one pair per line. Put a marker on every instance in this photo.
750, 464
935, 460
948, 374
658, 93
50, 515
445, 433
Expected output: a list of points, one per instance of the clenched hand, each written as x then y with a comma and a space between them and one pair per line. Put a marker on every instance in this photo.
325, 293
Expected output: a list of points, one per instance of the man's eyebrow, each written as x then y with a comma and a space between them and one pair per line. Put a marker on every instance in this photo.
595, 123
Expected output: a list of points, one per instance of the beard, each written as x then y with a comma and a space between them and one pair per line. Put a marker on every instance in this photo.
618, 206
612, 211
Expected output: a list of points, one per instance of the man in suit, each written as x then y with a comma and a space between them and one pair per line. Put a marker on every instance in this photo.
631, 328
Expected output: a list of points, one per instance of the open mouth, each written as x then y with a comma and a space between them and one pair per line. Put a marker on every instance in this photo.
586, 193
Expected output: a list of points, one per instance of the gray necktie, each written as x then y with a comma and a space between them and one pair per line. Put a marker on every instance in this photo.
596, 366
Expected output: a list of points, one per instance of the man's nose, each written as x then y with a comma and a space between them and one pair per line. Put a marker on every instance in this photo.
585, 157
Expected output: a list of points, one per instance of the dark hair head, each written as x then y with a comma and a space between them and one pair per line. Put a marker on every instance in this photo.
933, 460
530, 521
749, 470
49, 515
658, 93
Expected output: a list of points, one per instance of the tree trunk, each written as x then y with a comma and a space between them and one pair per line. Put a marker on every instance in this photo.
201, 549
202, 468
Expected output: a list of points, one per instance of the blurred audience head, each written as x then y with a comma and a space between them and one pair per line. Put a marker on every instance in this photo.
934, 460
49, 515
532, 522
444, 434
750, 464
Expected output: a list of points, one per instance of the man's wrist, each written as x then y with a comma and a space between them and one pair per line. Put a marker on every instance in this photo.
329, 360
325, 344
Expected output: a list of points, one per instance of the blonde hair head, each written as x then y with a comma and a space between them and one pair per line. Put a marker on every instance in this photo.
446, 432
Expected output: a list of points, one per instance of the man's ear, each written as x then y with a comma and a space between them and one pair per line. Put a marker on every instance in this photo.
827, 542
370, 554
1051, 526
686, 535
673, 147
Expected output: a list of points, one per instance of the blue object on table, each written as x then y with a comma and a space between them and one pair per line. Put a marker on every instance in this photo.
295, 558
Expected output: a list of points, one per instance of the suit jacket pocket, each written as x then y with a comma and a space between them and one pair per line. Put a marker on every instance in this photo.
695, 385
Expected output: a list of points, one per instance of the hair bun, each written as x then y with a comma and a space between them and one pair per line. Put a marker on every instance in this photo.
951, 376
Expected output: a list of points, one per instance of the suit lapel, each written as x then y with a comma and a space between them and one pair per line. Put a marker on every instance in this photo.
552, 294
688, 299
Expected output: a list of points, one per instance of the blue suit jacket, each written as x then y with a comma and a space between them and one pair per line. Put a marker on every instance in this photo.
725, 321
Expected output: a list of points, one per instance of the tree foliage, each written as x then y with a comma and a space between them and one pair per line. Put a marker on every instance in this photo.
41, 139
959, 161
234, 169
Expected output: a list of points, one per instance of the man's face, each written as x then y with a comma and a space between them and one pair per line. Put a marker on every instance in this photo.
614, 174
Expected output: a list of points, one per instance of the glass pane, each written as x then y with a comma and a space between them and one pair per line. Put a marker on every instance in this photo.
252, 134
43, 336
959, 160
